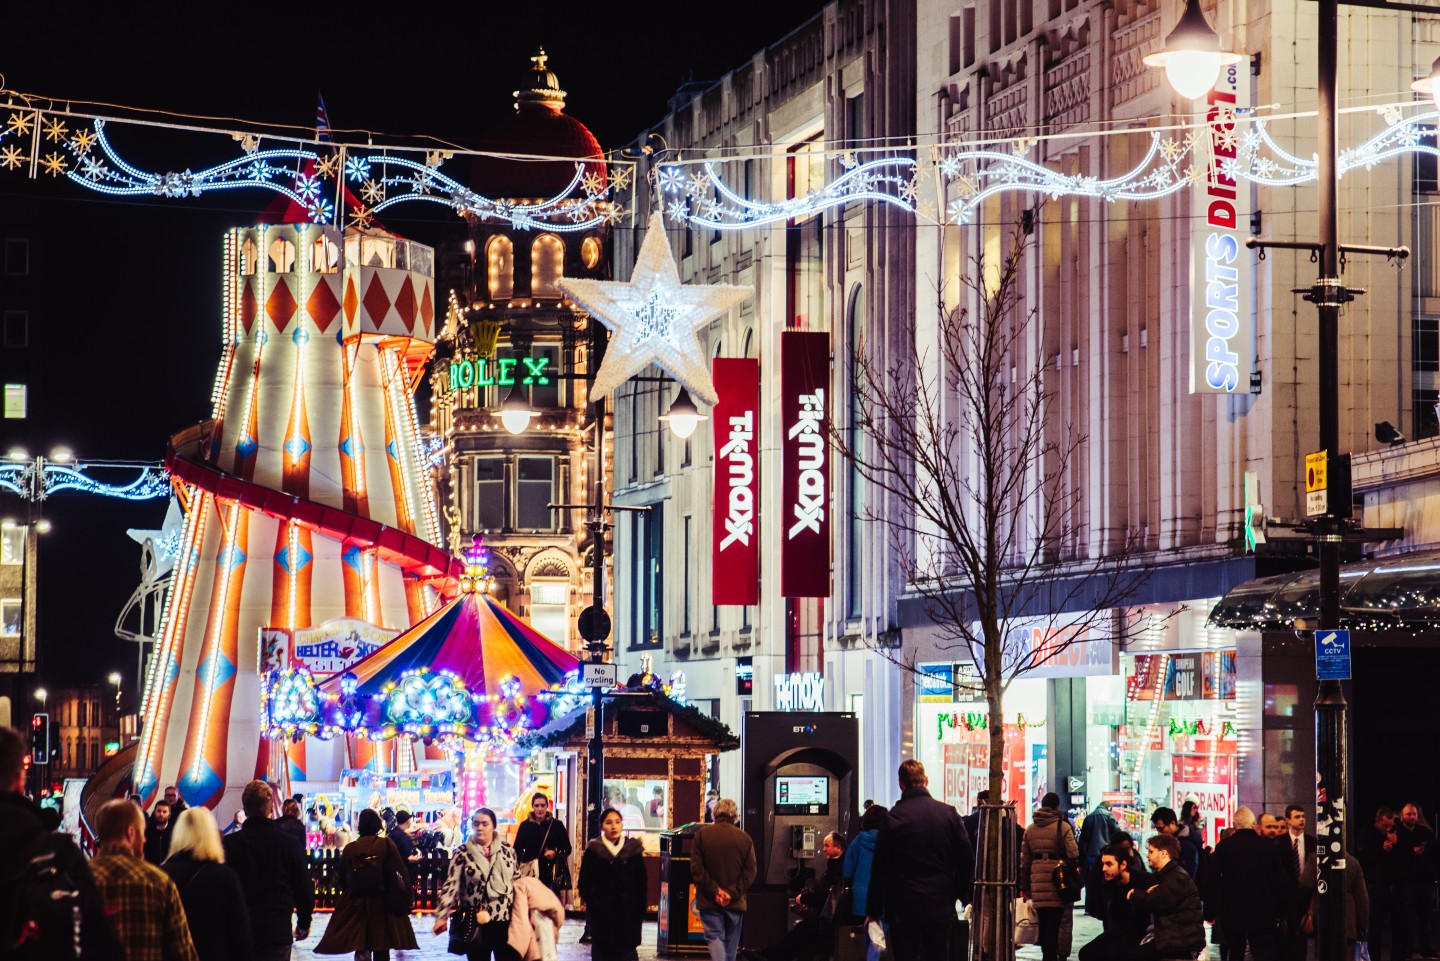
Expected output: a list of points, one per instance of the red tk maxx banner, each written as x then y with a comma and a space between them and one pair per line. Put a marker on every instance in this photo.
804, 442
735, 551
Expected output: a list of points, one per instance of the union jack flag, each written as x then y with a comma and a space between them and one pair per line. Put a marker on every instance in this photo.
322, 120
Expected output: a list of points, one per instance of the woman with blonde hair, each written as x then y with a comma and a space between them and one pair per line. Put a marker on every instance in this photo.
209, 890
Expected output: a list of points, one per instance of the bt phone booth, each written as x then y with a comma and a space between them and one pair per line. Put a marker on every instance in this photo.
800, 784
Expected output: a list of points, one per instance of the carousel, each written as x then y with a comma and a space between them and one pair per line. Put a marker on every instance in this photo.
448, 697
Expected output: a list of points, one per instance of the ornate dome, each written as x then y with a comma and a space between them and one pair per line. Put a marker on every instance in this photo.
538, 127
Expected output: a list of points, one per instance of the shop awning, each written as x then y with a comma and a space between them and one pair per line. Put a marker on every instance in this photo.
1391, 593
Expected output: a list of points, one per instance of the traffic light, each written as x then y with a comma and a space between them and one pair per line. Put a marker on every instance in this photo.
40, 739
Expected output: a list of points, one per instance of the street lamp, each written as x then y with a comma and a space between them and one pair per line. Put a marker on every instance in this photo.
115, 679
40, 695
683, 416
515, 412
1193, 55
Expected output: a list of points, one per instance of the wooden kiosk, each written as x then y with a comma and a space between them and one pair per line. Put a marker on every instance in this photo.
657, 768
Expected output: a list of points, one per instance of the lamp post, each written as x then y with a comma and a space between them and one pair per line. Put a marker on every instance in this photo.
1328, 294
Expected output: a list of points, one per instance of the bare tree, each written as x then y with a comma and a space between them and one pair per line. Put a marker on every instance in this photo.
958, 430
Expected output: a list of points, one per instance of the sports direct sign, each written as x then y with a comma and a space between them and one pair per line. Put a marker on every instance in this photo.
735, 566
1222, 328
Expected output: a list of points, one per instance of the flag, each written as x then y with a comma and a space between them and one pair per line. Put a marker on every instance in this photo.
322, 120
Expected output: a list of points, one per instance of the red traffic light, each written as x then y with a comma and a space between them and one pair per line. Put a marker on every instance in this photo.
37, 721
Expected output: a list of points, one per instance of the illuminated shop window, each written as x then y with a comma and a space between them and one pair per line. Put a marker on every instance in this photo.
643, 803
500, 260
547, 266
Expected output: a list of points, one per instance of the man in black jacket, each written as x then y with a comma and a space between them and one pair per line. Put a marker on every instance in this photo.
1414, 884
273, 875
1174, 901
923, 863
1378, 845
1249, 891
38, 863
1297, 851
1125, 923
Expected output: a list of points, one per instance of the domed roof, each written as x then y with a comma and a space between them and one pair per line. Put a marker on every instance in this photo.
538, 127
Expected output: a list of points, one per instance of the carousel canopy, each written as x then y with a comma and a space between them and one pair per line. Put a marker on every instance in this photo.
471, 671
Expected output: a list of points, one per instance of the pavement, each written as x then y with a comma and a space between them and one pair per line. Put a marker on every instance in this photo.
433, 946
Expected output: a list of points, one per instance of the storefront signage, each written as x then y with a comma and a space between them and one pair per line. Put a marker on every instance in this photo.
805, 496
330, 648
1047, 648
935, 682
1195, 676
1221, 329
735, 562
799, 692
1210, 779
502, 372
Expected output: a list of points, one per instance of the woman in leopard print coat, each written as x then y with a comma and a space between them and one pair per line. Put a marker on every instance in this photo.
481, 879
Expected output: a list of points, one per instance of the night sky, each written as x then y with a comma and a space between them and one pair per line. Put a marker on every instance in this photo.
126, 332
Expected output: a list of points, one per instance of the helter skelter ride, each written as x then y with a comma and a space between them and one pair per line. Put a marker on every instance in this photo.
310, 530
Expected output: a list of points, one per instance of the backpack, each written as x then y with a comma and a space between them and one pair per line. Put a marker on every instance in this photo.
53, 908
367, 874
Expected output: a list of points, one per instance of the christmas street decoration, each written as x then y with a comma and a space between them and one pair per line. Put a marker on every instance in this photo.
655, 319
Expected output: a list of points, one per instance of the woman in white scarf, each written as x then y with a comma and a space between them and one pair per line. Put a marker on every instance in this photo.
478, 893
612, 882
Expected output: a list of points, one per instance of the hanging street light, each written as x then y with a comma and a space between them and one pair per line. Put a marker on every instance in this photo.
1192, 56
683, 416
515, 412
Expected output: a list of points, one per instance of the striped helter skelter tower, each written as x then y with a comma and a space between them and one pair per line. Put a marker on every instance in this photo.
306, 498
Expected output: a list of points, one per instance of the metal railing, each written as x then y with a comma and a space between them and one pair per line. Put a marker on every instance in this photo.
426, 878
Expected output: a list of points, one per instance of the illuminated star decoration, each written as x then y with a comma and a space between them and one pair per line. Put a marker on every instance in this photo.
655, 319
166, 539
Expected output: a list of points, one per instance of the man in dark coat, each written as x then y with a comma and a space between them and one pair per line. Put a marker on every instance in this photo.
722, 866
273, 875
543, 839
923, 865
1125, 922
1164, 821
289, 821
1174, 902
972, 820
1414, 884
1095, 835
1378, 854
1297, 852
1248, 893
815, 933
158, 829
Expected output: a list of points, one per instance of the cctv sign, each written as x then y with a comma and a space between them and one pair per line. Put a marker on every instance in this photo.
1222, 326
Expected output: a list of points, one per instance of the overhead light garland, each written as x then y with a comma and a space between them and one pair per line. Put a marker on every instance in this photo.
38, 137
149, 483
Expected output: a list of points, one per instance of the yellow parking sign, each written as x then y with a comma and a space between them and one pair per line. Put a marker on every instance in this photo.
1315, 472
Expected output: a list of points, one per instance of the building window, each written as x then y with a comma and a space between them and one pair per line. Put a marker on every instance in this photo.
649, 578
500, 267
1427, 419
1425, 343
94, 755
17, 328
590, 252
12, 545
544, 396
17, 257
804, 243
745, 615
547, 266
282, 255
489, 493
10, 610
550, 610
854, 553
15, 401
685, 568
534, 492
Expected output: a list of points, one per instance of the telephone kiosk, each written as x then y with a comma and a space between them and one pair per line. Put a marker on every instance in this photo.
800, 784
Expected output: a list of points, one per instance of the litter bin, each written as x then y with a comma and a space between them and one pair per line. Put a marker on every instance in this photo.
680, 932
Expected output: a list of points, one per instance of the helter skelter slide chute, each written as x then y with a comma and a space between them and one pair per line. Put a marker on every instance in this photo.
307, 499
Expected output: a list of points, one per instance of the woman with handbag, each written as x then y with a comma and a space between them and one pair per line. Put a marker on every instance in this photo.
478, 892
375, 887
612, 882
1048, 843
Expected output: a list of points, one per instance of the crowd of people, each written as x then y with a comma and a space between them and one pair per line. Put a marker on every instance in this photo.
168, 886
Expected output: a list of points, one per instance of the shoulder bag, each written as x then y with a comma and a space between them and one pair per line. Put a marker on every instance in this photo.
1067, 873
468, 919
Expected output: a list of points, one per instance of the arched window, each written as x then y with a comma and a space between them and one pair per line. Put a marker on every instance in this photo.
282, 255
324, 255
500, 258
547, 266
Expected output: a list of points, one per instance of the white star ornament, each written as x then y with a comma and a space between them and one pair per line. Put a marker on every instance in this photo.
655, 319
